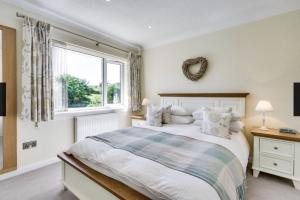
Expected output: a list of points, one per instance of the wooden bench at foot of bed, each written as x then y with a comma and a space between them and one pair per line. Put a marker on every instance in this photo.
88, 184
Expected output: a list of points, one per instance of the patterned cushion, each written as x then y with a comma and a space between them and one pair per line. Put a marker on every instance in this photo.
216, 123
154, 116
166, 114
198, 114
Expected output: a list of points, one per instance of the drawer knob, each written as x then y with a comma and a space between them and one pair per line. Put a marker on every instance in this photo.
275, 164
276, 148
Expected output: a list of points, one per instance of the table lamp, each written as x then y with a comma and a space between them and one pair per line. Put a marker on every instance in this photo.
145, 102
263, 107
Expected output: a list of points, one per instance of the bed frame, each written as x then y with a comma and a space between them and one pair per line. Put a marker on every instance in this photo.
88, 184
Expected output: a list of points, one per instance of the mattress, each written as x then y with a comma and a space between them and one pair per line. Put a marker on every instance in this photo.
153, 179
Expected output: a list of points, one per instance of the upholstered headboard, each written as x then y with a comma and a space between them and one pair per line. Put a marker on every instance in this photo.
193, 101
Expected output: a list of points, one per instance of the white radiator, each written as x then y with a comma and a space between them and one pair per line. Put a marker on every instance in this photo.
95, 124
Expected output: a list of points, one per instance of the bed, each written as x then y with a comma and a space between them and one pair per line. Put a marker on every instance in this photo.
96, 170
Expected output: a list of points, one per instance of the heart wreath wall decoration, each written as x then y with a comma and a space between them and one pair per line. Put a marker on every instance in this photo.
193, 61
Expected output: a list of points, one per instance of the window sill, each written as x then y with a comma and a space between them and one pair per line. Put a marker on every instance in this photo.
82, 112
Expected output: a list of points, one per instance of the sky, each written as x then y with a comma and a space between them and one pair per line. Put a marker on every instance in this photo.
89, 68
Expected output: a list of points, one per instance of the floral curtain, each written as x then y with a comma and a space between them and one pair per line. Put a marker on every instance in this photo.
135, 62
37, 77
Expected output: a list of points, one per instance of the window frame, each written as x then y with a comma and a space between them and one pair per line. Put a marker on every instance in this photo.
106, 58
122, 74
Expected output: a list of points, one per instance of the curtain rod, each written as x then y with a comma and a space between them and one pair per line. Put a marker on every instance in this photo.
82, 36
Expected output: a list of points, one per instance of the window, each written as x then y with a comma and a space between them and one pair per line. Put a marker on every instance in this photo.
85, 79
114, 80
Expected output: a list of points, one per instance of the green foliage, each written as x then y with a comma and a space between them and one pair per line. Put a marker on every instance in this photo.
79, 91
113, 93
82, 94
94, 100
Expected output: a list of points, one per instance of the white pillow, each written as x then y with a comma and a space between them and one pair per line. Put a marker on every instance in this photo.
180, 111
216, 123
236, 126
166, 114
236, 117
218, 109
154, 116
181, 119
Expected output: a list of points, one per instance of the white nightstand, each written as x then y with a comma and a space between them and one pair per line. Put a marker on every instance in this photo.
277, 153
137, 120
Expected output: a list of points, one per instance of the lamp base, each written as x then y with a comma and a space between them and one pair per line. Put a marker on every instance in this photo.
263, 128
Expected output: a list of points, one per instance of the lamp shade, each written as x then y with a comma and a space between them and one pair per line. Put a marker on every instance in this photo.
145, 102
264, 106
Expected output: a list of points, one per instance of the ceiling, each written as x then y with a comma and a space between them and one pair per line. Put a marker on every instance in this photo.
170, 20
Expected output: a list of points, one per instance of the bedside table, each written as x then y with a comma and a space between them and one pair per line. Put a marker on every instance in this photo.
277, 153
137, 119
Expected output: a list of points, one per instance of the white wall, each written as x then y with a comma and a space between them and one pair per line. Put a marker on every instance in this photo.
261, 58
55, 136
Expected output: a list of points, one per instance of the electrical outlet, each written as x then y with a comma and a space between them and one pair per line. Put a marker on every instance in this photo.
30, 144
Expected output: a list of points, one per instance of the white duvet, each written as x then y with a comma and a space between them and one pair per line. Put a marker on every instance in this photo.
153, 179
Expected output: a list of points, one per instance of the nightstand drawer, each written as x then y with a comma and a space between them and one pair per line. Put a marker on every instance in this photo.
277, 147
283, 166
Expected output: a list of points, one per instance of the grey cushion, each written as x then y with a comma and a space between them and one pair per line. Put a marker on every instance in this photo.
166, 114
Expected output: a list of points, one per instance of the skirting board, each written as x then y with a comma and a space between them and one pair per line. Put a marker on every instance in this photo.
29, 168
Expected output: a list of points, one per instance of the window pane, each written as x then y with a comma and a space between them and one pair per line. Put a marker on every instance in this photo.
113, 83
82, 78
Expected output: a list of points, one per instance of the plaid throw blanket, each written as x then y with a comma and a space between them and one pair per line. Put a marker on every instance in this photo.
210, 162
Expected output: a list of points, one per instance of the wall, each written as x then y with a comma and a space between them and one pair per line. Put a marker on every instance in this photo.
260, 57
55, 136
